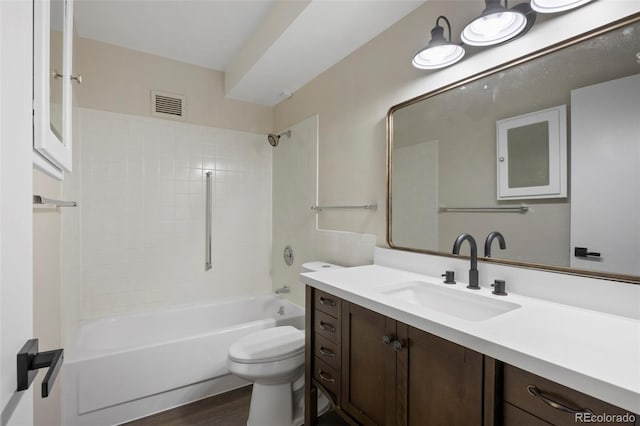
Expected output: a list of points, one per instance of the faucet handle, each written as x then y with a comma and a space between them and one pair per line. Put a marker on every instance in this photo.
449, 277
499, 287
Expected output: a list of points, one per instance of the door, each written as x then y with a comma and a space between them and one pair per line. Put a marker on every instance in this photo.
368, 366
440, 381
605, 176
16, 272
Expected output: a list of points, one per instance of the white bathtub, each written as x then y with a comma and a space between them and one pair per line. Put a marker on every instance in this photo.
125, 367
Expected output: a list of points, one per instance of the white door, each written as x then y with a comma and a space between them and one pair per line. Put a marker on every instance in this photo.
605, 176
16, 271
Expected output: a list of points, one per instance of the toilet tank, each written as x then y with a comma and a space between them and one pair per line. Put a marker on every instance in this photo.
317, 266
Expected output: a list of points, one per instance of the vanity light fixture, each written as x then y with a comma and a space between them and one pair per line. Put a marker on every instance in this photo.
495, 25
440, 52
553, 6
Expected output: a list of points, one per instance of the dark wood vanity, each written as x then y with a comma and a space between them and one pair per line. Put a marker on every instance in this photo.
379, 371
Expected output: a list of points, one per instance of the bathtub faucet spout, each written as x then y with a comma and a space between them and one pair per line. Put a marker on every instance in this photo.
283, 290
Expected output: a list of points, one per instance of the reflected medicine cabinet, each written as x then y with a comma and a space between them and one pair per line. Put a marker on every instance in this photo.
532, 155
52, 78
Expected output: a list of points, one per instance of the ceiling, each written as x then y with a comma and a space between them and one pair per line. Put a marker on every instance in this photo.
268, 49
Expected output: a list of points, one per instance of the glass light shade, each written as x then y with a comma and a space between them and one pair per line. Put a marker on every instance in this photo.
553, 6
493, 27
434, 57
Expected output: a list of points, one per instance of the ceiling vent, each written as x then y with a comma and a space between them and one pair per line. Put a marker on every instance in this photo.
167, 105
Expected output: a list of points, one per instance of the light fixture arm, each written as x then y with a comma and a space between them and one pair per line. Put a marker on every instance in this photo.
447, 22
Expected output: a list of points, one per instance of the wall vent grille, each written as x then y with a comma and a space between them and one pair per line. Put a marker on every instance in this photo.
167, 105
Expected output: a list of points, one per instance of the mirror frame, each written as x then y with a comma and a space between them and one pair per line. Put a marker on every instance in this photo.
631, 19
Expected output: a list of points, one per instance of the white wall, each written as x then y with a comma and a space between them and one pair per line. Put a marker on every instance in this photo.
137, 238
295, 224
120, 80
294, 192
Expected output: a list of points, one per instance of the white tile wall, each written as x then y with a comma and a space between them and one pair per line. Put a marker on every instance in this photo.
142, 212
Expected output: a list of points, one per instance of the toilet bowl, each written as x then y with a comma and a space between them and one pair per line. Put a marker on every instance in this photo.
273, 359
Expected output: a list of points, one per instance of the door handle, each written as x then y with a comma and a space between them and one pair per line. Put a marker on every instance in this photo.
584, 252
30, 361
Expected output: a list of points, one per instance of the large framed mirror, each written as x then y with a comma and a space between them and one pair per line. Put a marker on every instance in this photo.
444, 160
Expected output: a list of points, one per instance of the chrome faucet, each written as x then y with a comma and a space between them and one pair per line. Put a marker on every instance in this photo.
473, 272
487, 243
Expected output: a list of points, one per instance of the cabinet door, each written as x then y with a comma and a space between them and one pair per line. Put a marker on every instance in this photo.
440, 381
52, 98
368, 366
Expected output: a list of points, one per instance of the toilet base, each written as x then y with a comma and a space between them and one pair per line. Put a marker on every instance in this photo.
274, 405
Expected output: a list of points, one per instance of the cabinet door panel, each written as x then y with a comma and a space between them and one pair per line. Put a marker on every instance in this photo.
368, 366
444, 382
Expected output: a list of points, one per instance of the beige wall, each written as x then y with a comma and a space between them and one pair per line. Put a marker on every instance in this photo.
120, 80
352, 99
46, 292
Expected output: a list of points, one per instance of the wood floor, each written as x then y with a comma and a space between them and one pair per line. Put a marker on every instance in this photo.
227, 409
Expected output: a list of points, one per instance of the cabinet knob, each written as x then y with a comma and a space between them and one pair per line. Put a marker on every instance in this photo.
398, 345
387, 340
76, 78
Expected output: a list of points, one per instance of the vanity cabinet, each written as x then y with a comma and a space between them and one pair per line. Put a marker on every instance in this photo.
385, 372
379, 371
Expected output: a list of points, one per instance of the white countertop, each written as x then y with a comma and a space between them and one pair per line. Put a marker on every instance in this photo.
593, 352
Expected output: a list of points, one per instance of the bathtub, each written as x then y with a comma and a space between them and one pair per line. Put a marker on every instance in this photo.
125, 367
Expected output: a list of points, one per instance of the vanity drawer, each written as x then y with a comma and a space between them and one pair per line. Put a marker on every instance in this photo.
327, 303
327, 351
325, 326
327, 376
513, 416
529, 392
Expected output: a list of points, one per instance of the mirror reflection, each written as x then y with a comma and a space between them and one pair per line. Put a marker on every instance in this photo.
445, 154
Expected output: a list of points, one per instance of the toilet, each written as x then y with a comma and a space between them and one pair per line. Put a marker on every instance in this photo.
273, 359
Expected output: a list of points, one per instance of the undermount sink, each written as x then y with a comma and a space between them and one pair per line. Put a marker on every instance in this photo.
461, 304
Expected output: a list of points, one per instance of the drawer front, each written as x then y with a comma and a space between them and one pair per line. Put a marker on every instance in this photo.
327, 351
326, 326
536, 395
327, 303
513, 416
327, 376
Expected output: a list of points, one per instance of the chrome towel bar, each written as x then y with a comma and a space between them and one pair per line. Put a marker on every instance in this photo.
373, 207
40, 200
495, 209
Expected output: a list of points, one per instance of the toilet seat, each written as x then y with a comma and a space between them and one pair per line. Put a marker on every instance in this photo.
268, 345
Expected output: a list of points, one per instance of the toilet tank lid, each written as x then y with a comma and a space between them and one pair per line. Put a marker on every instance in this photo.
317, 266
268, 345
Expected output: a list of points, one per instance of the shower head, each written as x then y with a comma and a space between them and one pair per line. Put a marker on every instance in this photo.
275, 138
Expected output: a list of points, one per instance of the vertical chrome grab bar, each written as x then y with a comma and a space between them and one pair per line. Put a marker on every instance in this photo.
207, 255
